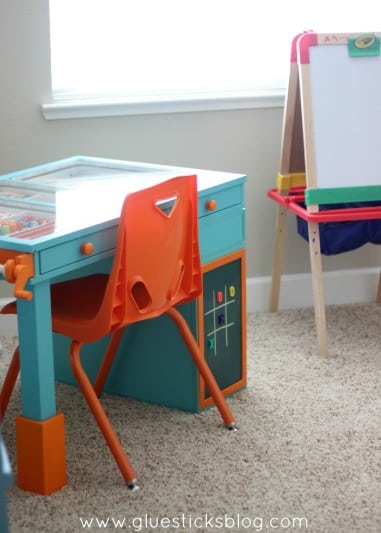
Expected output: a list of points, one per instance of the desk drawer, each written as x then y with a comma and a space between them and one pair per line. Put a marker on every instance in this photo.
210, 203
221, 221
222, 233
67, 253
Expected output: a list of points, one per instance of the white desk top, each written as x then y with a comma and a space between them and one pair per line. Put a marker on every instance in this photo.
79, 192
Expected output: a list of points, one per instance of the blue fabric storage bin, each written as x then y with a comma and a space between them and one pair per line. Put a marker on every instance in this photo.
339, 237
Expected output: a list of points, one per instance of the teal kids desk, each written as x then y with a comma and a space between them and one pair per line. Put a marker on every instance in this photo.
59, 220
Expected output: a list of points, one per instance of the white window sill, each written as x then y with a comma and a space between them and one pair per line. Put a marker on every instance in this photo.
104, 108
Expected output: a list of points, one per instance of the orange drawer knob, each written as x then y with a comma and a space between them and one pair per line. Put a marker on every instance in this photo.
87, 248
211, 205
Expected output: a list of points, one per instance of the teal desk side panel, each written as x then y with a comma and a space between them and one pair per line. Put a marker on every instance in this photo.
155, 366
152, 364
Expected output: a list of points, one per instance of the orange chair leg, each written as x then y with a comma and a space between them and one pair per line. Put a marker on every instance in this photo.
203, 367
9, 382
100, 416
107, 361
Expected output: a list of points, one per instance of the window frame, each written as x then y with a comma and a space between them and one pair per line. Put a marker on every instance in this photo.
98, 108
256, 97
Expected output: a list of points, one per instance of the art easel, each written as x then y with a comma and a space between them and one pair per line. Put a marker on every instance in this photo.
321, 161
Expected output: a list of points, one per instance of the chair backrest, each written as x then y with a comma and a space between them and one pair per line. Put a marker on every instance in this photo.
157, 261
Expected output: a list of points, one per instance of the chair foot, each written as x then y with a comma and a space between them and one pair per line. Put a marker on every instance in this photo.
132, 485
232, 426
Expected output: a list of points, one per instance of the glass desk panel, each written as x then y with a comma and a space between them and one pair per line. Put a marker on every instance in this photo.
55, 199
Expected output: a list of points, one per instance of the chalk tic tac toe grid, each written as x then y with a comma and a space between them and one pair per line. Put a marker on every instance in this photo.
223, 303
222, 300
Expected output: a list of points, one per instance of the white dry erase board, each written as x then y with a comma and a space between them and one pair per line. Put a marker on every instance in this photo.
340, 84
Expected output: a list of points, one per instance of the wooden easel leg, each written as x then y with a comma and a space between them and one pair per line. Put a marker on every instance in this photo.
378, 297
317, 286
277, 258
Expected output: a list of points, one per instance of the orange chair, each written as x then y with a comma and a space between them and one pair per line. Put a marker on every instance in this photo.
156, 266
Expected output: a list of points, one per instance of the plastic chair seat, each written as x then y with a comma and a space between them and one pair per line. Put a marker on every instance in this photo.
75, 304
73, 300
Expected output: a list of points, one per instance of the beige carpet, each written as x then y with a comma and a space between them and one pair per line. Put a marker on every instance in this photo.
308, 447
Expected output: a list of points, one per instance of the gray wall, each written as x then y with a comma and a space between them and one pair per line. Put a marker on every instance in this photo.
245, 141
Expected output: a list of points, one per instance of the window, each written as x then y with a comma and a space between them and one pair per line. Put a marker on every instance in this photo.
211, 53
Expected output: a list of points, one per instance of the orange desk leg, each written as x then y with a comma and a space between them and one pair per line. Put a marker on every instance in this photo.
41, 464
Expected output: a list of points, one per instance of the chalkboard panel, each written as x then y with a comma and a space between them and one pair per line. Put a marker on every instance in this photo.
223, 323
